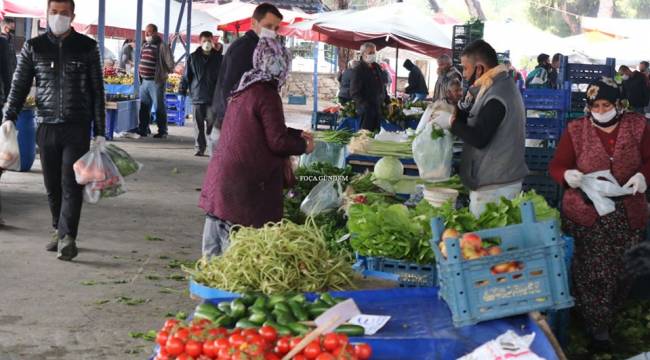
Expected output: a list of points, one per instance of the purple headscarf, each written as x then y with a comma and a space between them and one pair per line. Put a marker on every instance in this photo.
271, 61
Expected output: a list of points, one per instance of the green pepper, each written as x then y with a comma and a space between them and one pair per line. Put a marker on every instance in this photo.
316, 311
297, 311
224, 306
299, 329
249, 298
224, 321
350, 330
282, 306
260, 302
285, 318
257, 318
237, 309
299, 298
246, 324
274, 299
207, 311
328, 299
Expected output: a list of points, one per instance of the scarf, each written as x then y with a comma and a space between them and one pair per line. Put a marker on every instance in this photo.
271, 61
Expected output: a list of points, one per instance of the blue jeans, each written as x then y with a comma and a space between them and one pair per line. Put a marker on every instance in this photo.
418, 97
152, 95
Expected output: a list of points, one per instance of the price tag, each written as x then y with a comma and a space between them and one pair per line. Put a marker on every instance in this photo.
370, 323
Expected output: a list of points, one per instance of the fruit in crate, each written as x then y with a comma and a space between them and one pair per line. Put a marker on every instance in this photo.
173, 83
119, 80
471, 240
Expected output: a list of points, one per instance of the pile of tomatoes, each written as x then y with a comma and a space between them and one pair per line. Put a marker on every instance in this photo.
201, 340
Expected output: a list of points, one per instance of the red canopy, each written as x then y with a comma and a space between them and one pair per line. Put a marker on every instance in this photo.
236, 16
23, 8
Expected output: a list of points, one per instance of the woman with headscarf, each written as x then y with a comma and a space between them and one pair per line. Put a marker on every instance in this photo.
606, 139
244, 181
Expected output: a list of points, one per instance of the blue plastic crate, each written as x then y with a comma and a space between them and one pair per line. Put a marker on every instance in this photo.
587, 73
474, 294
545, 128
410, 124
543, 185
324, 118
404, 273
547, 99
352, 124
297, 100
538, 158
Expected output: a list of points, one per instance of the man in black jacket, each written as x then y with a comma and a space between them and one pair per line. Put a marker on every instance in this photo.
417, 86
635, 89
201, 74
239, 57
368, 88
345, 78
5, 84
8, 32
70, 93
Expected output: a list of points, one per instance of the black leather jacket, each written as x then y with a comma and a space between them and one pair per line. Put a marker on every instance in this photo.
69, 81
201, 74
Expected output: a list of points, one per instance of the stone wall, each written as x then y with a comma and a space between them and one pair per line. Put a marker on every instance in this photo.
301, 83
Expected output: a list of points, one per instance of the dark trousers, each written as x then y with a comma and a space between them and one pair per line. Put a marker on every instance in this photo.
152, 94
370, 116
202, 125
61, 145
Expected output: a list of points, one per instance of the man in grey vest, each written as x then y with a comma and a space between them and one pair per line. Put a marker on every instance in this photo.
491, 122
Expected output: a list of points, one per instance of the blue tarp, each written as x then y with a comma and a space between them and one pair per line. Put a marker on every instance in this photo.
421, 327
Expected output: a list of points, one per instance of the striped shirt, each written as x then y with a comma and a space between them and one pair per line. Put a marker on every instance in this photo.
149, 61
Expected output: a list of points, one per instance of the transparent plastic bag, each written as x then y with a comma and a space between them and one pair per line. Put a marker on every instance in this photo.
325, 152
113, 184
599, 187
433, 157
124, 162
327, 195
90, 167
9, 150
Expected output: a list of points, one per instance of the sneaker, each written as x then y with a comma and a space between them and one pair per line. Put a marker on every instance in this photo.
160, 136
53, 244
67, 249
200, 153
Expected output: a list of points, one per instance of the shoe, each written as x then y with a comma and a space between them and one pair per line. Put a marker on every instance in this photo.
160, 136
67, 249
200, 153
53, 244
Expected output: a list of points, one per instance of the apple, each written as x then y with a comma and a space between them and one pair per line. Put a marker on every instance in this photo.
494, 250
501, 268
470, 253
513, 267
443, 248
471, 240
482, 252
450, 234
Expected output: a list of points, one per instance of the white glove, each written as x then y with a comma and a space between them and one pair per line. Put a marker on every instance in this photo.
573, 178
443, 119
100, 141
637, 183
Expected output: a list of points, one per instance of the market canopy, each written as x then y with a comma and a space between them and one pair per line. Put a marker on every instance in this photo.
396, 25
236, 16
304, 29
22, 8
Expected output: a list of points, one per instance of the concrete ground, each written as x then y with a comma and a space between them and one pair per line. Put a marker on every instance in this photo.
126, 277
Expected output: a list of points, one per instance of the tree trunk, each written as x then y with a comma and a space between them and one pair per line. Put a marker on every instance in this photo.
475, 10
569, 19
606, 8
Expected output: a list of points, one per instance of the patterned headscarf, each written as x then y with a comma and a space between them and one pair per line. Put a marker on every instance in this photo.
271, 61
604, 89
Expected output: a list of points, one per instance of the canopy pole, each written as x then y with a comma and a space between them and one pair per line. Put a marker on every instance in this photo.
178, 24
101, 22
167, 16
28, 28
138, 49
188, 32
396, 69
316, 48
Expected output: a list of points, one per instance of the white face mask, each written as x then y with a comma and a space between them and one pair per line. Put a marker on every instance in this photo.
59, 24
267, 33
370, 58
206, 46
604, 117
148, 39
625, 77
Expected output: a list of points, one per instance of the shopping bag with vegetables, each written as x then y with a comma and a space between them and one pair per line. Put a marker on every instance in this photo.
432, 152
123, 161
327, 195
9, 151
111, 186
90, 167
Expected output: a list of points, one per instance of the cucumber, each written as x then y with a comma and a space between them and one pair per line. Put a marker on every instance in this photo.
257, 318
299, 298
207, 311
285, 319
224, 321
283, 330
328, 299
299, 329
237, 309
350, 330
249, 298
282, 306
224, 306
245, 324
298, 312
316, 311
274, 299
260, 302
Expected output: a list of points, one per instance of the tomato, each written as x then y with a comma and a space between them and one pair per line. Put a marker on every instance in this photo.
331, 342
175, 346
224, 353
182, 333
326, 356
221, 343
161, 338
312, 350
197, 334
184, 357
259, 342
209, 349
255, 338
193, 348
170, 323
268, 333
282, 346
363, 351
217, 332
161, 357
271, 356
253, 349
299, 357
343, 353
249, 332
236, 340
343, 339
202, 322
294, 342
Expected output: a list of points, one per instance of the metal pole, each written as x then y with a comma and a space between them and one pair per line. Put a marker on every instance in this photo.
189, 29
167, 16
178, 24
101, 21
28, 28
138, 49
316, 47
396, 69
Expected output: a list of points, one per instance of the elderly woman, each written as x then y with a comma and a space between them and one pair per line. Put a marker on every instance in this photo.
606, 139
368, 88
244, 181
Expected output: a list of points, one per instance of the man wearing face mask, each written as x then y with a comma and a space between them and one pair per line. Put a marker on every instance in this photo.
491, 123
635, 89
239, 57
156, 63
70, 100
539, 77
9, 32
368, 88
201, 74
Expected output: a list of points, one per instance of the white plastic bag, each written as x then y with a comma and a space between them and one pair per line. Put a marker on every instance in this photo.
599, 187
433, 157
395, 136
324, 152
112, 185
90, 167
425, 119
327, 195
9, 150
508, 345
